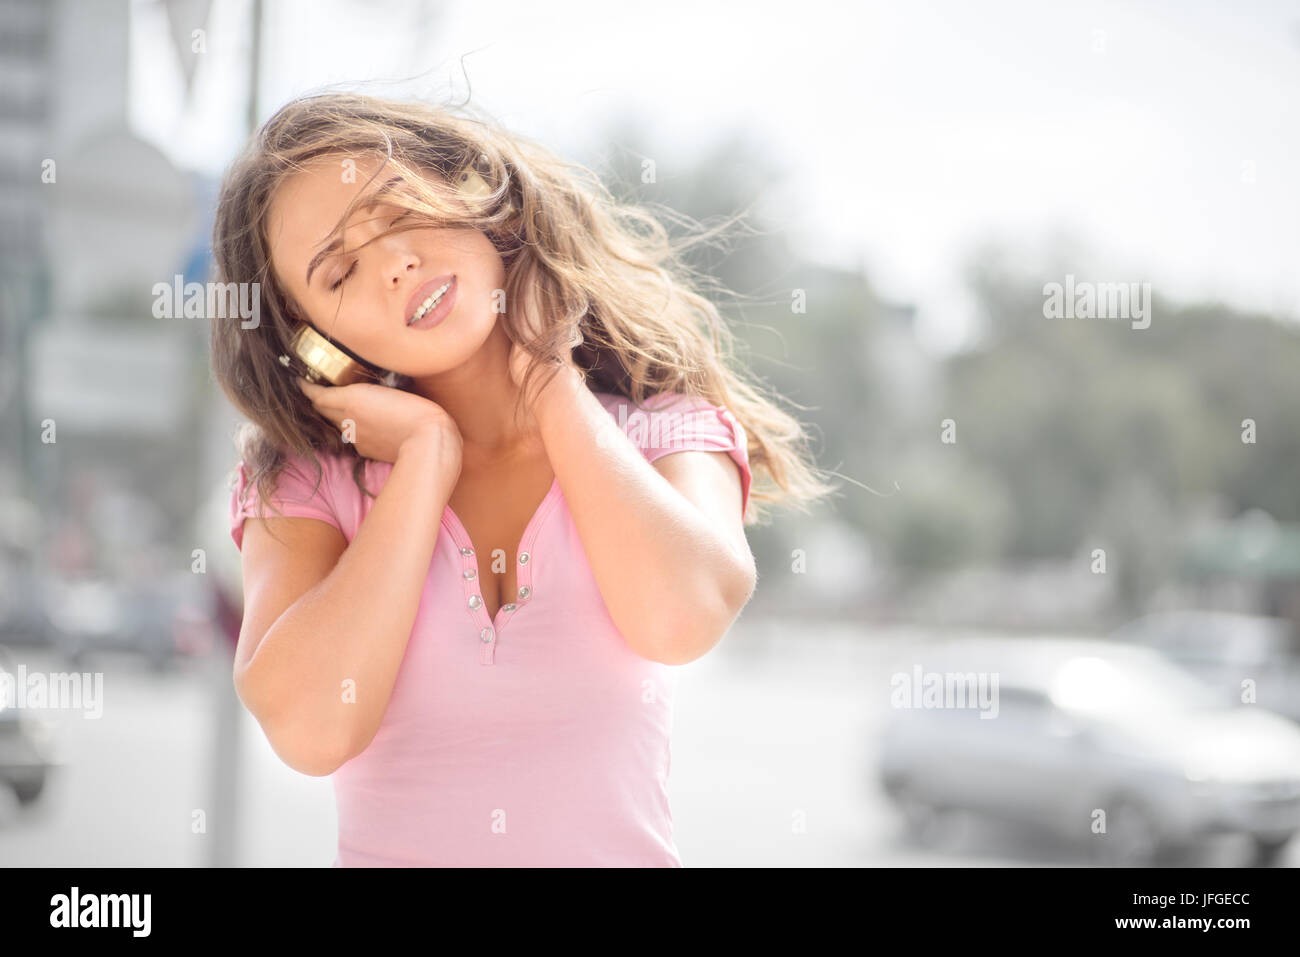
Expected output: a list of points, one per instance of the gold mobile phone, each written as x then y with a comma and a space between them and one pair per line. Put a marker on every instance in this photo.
319, 358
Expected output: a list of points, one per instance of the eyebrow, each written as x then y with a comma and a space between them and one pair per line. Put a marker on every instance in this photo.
324, 254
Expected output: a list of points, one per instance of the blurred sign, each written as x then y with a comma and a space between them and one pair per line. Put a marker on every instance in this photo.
90, 375
122, 218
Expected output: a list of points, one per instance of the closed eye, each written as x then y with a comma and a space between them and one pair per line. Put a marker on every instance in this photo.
338, 282
351, 269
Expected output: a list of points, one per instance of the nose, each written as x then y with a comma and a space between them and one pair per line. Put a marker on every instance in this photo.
399, 264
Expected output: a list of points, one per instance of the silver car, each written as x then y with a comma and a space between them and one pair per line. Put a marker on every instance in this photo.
1106, 743
1225, 649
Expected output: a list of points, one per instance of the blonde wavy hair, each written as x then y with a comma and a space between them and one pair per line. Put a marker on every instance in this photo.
605, 269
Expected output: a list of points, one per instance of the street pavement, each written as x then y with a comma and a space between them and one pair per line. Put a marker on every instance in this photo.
773, 766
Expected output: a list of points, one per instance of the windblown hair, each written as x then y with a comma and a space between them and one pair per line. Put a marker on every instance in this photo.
601, 270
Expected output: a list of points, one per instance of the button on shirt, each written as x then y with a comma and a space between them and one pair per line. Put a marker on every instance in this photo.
537, 738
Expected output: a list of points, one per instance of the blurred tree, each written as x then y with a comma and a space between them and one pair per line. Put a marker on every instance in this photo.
804, 330
1071, 433
1082, 418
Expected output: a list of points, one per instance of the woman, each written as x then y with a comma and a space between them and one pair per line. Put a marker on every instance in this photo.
480, 569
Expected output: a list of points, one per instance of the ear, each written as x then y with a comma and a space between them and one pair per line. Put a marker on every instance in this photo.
293, 312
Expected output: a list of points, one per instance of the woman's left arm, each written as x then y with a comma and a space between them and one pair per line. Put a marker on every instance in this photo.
665, 541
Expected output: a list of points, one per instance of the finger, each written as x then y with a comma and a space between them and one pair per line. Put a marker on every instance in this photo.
322, 396
333, 418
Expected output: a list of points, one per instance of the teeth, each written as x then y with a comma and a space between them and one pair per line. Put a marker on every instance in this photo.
429, 303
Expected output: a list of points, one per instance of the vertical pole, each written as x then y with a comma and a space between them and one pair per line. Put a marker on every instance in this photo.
223, 849
254, 65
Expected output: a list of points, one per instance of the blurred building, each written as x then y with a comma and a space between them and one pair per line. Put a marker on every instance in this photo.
26, 74
101, 216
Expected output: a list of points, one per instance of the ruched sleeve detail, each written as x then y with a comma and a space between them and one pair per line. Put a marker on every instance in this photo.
671, 422
296, 496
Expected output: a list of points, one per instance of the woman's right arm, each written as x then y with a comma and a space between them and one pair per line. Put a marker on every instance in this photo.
326, 623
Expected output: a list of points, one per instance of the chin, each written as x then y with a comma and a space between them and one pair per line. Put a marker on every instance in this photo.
422, 366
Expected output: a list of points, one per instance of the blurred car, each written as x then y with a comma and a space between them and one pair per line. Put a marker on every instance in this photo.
1223, 649
158, 619
22, 614
24, 743
1082, 725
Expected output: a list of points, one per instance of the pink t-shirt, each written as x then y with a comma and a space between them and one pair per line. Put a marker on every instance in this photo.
535, 739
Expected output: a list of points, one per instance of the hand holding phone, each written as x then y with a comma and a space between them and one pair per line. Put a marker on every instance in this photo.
379, 422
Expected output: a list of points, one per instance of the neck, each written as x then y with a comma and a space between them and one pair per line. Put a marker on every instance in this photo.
480, 397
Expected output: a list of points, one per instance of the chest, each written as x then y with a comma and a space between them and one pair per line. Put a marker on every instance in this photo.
496, 506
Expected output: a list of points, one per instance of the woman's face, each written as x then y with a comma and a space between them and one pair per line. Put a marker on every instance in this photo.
364, 298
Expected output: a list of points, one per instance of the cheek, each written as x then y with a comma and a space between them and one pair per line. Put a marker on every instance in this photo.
353, 323
348, 321
477, 252
490, 271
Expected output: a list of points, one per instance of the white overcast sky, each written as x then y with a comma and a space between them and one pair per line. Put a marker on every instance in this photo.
1164, 138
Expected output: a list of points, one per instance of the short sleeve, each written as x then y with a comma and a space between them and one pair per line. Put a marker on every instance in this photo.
296, 496
672, 422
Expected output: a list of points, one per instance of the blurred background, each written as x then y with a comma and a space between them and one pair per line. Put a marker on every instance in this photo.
1094, 523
